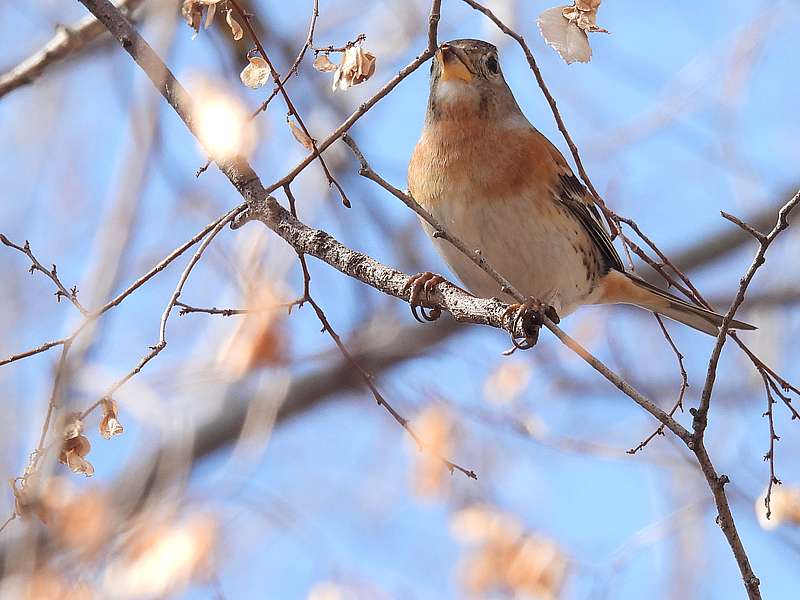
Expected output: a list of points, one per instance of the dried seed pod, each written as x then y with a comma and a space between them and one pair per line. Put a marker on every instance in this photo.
356, 67
256, 73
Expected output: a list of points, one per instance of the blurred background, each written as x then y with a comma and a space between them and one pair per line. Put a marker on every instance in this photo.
253, 464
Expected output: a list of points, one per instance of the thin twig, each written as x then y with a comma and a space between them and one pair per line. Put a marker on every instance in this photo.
748, 228
54, 396
289, 74
770, 455
225, 312
7, 521
368, 379
433, 24
162, 331
330, 49
309, 43
681, 391
61, 291
119, 298
701, 414
52, 405
289, 104
370, 383
42, 348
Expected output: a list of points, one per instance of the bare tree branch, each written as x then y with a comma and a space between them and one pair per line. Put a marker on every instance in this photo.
66, 42
701, 414
52, 274
119, 298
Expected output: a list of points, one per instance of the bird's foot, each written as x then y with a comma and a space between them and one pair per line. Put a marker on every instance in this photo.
528, 317
419, 284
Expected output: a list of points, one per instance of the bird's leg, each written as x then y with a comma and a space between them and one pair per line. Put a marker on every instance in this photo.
423, 283
529, 317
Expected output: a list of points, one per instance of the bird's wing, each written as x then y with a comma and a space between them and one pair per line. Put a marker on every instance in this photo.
572, 193
576, 197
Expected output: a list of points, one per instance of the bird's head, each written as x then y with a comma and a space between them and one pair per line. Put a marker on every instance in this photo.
467, 82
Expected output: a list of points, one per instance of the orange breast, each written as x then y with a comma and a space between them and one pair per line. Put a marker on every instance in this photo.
487, 160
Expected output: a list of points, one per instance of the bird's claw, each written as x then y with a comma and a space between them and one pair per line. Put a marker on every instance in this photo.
423, 283
528, 317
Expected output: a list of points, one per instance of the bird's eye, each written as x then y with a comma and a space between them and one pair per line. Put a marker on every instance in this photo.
492, 65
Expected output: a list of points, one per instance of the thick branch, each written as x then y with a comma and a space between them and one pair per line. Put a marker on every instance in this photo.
319, 244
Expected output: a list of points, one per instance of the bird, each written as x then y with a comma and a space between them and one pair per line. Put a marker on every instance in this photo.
499, 185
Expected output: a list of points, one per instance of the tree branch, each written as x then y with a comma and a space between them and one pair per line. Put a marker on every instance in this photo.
66, 42
52, 274
701, 414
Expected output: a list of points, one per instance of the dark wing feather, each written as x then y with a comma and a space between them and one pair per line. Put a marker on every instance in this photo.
577, 199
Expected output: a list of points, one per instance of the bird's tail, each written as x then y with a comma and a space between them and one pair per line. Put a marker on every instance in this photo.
624, 288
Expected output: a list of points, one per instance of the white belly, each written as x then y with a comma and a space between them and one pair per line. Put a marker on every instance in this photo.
537, 245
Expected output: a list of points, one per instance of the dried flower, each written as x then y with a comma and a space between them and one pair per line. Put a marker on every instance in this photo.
72, 454
109, 424
300, 135
236, 29
192, 11
356, 67
323, 63
256, 73
565, 29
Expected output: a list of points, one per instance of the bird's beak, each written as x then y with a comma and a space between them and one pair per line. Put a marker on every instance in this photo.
454, 64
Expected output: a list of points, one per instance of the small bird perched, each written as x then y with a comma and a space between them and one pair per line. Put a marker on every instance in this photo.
500, 186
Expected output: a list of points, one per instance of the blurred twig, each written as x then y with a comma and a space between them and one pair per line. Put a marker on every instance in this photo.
162, 332
66, 42
148, 476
